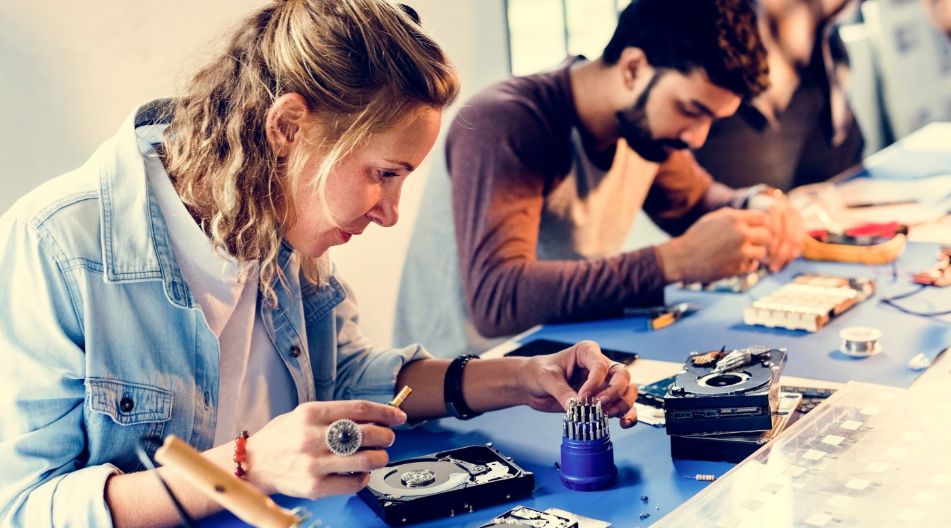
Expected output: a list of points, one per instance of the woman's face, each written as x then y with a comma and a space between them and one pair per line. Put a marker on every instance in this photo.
363, 187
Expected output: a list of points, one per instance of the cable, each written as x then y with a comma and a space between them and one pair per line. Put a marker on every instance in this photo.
891, 302
888, 300
187, 521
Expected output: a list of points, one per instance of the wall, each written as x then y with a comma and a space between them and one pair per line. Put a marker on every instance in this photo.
72, 71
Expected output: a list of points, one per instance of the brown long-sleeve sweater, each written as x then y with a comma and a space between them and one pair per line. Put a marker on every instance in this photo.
537, 210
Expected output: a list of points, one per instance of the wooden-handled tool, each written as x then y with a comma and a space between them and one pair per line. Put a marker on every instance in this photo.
237, 496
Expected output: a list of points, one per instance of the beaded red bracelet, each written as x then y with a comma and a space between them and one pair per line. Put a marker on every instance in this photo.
240, 442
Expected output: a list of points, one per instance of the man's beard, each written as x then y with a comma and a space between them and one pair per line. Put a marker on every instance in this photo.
633, 127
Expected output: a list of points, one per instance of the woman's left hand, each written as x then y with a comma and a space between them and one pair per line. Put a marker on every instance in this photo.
581, 372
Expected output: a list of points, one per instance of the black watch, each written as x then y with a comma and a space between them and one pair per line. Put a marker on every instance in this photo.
452, 389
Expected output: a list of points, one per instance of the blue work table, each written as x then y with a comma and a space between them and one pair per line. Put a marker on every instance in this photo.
533, 440
811, 355
642, 454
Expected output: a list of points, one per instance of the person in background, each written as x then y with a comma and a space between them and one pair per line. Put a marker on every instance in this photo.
801, 129
547, 172
939, 11
179, 282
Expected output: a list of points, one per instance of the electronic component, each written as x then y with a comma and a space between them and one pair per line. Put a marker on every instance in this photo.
703, 477
733, 447
737, 284
650, 401
521, 516
737, 358
808, 302
587, 454
445, 484
653, 393
742, 399
583, 522
811, 396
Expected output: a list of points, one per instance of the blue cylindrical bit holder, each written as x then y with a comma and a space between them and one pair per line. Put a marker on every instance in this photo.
587, 465
587, 455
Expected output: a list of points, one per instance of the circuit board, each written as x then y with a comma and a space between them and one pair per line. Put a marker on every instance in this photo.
808, 302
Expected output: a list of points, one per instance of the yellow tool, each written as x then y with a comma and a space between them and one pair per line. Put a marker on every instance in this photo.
403, 394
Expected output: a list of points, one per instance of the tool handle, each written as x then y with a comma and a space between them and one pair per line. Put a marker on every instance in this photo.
236, 495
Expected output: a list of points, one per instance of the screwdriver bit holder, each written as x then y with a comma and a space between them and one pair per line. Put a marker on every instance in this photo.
587, 454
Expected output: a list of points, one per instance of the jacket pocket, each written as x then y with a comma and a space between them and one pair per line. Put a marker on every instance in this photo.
128, 403
120, 416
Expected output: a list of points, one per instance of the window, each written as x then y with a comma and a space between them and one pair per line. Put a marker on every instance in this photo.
543, 32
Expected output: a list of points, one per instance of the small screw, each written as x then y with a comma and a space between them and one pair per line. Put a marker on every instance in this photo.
644, 499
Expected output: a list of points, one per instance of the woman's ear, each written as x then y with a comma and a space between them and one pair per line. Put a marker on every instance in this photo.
284, 121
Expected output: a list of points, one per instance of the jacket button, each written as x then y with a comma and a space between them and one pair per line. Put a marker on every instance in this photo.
295, 351
126, 404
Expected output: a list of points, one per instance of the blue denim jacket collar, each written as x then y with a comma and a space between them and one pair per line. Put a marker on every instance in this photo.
135, 242
135, 239
136, 247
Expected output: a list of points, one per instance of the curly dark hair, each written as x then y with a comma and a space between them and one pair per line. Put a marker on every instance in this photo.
719, 36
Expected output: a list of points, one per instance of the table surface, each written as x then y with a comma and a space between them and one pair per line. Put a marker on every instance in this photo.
532, 439
642, 454
720, 323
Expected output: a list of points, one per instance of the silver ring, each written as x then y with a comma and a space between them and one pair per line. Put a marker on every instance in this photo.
344, 437
615, 364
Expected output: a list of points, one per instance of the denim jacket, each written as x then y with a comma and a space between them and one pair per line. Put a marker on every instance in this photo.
104, 346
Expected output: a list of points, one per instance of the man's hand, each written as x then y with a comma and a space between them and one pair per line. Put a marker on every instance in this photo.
785, 226
724, 243
580, 372
940, 13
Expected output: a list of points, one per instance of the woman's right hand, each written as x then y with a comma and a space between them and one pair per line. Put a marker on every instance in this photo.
290, 456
